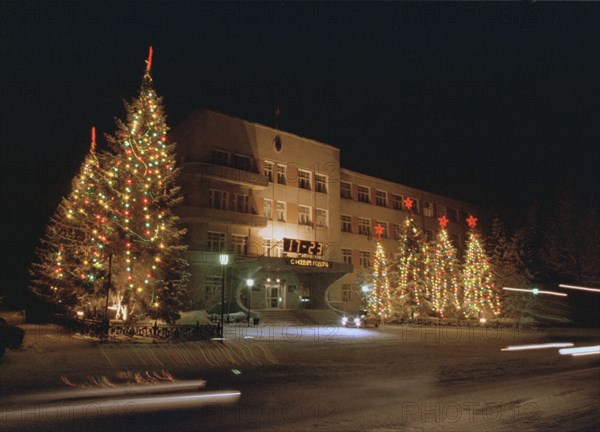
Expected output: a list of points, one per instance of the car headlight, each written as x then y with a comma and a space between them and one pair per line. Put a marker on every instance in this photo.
357, 321
344, 320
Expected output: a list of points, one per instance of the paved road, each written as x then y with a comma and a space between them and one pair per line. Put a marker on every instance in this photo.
393, 378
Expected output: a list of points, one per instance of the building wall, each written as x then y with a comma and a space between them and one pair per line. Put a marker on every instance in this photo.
231, 156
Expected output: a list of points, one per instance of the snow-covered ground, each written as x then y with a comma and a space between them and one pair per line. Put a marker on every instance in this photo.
330, 379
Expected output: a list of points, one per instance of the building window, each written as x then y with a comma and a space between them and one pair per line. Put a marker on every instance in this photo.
384, 225
397, 202
280, 211
396, 231
218, 199
347, 256
272, 248
345, 190
321, 183
242, 162
269, 171
321, 218
213, 286
239, 244
427, 209
238, 202
363, 194
346, 223
440, 210
219, 157
304, 179
381, 198
304, 215
268, 209
364, 226
452, 215
364, 259
346, 292
281, 178
216, 242
416, 208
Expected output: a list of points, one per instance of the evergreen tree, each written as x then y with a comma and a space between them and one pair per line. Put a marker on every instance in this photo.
480, 297
509, 269
379, 301
69, 270
148, 275
116, 232
571, 239
407, 294
442, 273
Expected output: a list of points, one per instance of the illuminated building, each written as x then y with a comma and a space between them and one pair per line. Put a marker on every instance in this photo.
247, 187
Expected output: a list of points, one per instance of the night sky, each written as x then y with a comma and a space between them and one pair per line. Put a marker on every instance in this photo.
496, 104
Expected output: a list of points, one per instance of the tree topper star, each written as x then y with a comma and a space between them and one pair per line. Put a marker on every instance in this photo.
378, 230
408, 203
443, 221
471, 221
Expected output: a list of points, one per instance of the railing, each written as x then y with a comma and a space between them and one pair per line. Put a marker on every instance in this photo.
155, 331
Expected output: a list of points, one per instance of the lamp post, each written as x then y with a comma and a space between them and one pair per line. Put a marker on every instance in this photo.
249, 284
223, 259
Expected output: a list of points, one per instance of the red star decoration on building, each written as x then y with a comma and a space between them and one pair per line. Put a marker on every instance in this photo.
408, 203
378, 230
472, 221
443, 221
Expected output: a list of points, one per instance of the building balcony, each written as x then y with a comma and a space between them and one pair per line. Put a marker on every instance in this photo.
200, 171
207, 214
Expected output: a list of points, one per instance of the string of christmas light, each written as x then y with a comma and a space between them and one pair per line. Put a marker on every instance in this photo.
379, 301
480, 295
441, 271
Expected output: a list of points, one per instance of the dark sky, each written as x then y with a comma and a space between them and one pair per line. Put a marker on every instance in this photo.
496, 104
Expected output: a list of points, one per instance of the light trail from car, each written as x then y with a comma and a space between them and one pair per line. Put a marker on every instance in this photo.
537, 346
536, 291
580, 288
581, 351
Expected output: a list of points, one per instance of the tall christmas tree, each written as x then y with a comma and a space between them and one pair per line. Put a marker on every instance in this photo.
148, 274
69, 269
442, 272
115, 236
480, 294
379, 301
407, 295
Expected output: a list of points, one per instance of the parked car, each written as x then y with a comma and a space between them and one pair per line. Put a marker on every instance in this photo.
362, 319
10, 336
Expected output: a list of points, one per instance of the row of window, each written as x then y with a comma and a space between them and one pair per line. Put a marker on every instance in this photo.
229, 201
238, 244
235, 160
305, 178
304, 214
365, 224
397, 202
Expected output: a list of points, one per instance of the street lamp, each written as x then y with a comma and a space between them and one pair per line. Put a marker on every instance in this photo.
249, 284
223, 259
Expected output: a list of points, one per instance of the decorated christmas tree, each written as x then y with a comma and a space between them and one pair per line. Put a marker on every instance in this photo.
148, 274
442, 273
379, 301
70, 265
480, 297
114, 241
407, 294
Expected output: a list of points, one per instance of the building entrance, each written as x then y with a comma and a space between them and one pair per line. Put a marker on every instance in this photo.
273, 293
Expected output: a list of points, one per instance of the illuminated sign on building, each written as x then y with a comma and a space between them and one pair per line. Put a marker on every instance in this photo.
302, 246
308, 262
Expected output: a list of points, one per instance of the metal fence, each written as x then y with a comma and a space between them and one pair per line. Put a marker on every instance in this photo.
155, 331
